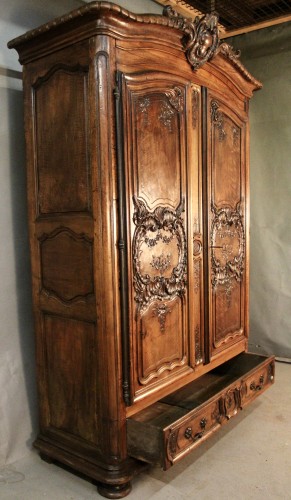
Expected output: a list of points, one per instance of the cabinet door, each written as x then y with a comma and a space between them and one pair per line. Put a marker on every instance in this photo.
226, 185
160, 136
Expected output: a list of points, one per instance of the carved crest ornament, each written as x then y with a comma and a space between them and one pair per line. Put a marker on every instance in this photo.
201, 36
161, 226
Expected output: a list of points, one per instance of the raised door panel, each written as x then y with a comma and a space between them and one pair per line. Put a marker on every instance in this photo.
159, 215
227, 225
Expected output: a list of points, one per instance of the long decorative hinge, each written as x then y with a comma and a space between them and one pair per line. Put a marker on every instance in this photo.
122, 245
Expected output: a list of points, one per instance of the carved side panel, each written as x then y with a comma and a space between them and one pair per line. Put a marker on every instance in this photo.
155, 151
61, 138
66, 265
227, 226
70, 349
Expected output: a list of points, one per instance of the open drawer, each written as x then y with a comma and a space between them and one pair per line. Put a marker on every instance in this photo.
169, 429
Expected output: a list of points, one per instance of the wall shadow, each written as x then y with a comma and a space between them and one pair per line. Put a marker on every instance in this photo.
21, 252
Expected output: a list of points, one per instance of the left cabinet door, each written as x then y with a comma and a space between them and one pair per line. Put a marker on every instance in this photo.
161, 176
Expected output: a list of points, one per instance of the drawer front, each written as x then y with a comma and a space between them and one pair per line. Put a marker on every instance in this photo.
171, 428
256, 383
182, 438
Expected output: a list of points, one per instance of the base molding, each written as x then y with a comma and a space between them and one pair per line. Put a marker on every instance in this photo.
114, 482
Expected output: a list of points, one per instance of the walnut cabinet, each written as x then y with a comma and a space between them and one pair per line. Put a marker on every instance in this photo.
137, 141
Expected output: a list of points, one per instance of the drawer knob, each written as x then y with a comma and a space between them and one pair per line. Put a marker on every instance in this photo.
188, 432
254, 387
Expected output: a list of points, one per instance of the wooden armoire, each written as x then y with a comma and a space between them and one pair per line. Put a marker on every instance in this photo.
137, 140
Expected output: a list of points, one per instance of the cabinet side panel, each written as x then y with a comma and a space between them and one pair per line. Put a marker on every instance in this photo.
71, 380
62, 161
59, 164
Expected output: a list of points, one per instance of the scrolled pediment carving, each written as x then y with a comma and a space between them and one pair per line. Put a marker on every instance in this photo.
201, 36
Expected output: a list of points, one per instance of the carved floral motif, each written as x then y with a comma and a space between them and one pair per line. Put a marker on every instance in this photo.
218, 120
166, 115
161, 262
173, 105
176, 98
143, 105
195, 107
161, 311
163, 224
197, 273
227, 259
197, 249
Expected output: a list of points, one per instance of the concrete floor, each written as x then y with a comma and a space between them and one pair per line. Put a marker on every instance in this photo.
249, 458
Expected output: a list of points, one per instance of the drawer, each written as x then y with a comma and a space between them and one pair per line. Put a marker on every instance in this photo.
169, 429
257, 382
184, 436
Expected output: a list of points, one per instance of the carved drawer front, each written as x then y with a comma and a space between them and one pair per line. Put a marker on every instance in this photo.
183, 437
258, 382
169, 429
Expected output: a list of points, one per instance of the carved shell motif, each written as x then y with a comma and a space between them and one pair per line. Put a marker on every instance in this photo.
157, 274
201, 36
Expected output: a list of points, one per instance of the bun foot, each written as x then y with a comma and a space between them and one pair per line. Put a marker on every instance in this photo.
114, 491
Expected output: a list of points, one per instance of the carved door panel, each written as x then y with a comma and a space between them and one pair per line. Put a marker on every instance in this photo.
164, 310
226, 226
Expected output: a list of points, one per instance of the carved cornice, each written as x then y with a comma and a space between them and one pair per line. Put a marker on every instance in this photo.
200, 35
161, 226
233, 55
97, 9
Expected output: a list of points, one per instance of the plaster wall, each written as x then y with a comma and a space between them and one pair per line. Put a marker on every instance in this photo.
267, 55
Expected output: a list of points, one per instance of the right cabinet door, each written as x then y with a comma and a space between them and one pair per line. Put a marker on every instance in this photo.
226, 224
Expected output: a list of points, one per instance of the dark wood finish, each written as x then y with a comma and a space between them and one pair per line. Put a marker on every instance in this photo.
137, 173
